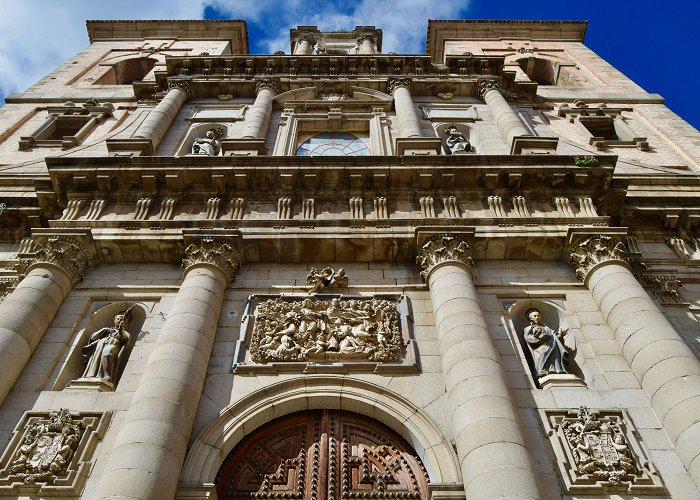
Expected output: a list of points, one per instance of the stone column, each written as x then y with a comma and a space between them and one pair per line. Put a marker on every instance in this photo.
305, 44
27, 312
150, 448
365, 45
400, 88
159, 119
661, 361
258, 119
506, 119
493, 456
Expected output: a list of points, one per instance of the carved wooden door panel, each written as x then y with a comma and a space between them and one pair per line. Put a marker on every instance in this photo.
322, 455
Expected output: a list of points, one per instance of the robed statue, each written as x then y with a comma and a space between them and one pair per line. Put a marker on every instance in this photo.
547, 346
106, 348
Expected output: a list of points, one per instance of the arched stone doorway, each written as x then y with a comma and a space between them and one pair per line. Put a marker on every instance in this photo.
319, 455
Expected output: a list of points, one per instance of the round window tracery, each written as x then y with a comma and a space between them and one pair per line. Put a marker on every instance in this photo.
333, 144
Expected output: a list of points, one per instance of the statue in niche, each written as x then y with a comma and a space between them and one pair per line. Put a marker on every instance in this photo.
456, 142
547, 346
209, 145
105, 349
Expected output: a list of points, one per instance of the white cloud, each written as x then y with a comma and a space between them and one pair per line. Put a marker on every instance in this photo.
38, 35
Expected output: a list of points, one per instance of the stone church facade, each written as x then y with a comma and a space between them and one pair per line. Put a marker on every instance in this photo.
334, 272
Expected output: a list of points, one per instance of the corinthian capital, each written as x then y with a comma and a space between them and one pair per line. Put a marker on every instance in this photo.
214, 252
596, 250
486, 85
184, 85
395, 83
267, 84
308, 37
64, 252
443, 248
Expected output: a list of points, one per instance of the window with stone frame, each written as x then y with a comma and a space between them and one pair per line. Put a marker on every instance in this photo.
67, 125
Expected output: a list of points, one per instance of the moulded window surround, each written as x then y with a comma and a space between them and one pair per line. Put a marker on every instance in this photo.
295, 128
67, 125
333, 144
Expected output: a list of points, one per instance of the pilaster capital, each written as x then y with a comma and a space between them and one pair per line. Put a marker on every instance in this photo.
308, 37
486, 85
215, 252
267, 83
183, 84
61, 251
395, 83
590, 252
442, 248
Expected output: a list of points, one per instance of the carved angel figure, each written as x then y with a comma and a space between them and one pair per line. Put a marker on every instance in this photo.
547, 346
326, 277
105, 349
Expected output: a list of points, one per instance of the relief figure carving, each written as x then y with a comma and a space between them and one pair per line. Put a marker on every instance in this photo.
326, 330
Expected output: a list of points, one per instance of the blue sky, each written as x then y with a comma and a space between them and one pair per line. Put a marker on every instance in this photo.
649, 41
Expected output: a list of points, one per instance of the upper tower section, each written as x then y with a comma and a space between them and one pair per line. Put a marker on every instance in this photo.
234, 31
308, 40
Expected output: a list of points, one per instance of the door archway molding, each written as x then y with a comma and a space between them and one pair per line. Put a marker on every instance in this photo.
311, 392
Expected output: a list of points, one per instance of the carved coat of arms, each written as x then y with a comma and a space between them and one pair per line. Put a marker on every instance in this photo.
47, 447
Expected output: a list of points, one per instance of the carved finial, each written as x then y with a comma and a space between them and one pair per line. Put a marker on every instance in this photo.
595, 250
443, 248
215, 252
486, 85
64, 252
395, 83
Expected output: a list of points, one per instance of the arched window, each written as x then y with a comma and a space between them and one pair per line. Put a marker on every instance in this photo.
127, 71
322, 454
333, 144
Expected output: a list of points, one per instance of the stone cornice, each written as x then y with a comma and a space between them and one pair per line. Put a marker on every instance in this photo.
213, 251
441, 249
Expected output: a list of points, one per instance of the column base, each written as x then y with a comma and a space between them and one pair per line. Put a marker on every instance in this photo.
418, 146
90, 384
244, 147
560, 380
533, 145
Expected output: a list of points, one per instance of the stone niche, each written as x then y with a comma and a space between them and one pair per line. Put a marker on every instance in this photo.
326, 334
551, 362
599, 452
50, 453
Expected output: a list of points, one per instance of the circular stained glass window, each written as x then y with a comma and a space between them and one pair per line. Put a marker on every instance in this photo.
333, 144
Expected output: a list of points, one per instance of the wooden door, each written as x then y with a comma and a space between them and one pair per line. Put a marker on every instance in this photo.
322, 455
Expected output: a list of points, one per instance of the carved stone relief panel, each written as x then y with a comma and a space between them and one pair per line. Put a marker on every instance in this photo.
599, 451
358, 333
51, 452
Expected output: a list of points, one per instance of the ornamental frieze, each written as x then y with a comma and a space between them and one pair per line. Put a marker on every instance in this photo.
51, 450
355, 332
599, 451
595, 250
